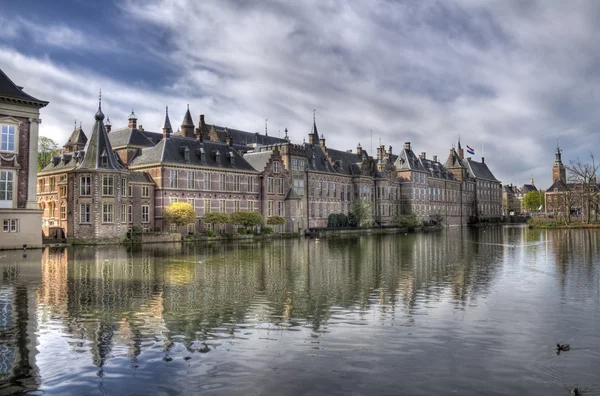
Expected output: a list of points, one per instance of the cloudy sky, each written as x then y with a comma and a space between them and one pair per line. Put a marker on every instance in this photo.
509, 77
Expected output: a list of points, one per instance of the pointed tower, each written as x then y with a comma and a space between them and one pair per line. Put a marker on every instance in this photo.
558, 170
461, 153
167, 130
187, 126
99, 154
77, 140
313, 136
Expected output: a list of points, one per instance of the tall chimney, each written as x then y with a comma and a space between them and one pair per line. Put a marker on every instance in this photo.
482, 160
107, 125
407, 145
435, 158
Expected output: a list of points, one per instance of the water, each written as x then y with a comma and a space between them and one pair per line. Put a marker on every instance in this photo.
462, 311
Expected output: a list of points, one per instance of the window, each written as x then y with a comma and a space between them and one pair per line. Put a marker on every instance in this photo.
207, 205
63, 191
250, 183
190, 180
251, 206
222, 206
6, 188
281, 208
41, 185
334, 189
312, 210
108, 185
145, 191
207, 181
173, 227
7, 141
130, 192
275, 166
173, 178
221, 181
86, 185
51, 209
320, 210
52, 184
107, 212
326, 189
320, 187
270, 185
130, 213
85, 213
191, 228
300, 166
236, 183
280, 186
236, 205
124, 186
270, 208
294, 164
63, 211
123, 213
10, 225
299, 186
145, 214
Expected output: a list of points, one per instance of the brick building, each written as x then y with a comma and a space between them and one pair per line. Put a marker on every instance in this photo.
215, 168
19, 123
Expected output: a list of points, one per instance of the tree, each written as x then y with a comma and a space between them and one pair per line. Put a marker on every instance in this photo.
533, 200
179, 213
47, 148
276, 220
216, 218
408, 221
246, 219
362, 211
583, 177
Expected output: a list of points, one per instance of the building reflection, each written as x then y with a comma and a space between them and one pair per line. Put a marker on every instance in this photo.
126, 300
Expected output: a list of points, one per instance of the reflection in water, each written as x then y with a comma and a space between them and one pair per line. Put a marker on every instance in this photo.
209, 314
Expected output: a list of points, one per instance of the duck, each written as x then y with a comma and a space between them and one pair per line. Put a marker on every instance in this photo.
575, 391
563, 347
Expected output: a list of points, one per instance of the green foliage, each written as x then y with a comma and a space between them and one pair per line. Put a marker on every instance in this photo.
266, 230
179, 213
352, 220
362, 210
47, 148
247, 219
532, 201
276, 220
242, 231
210, 233
408, 221
216, 218
337, 220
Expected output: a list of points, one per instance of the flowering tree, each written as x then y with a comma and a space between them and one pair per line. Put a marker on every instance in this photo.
179, 213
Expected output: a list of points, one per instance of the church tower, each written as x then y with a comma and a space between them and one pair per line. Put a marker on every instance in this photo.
558, 170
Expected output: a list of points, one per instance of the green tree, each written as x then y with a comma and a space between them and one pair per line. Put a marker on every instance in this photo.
215, 218
362, 211
408, 221
276, 220
47, 148
246, 219
179, 213
533, 200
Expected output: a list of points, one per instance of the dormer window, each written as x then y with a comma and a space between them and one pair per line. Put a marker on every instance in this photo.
201, 154
104, 159
217, 156
185, 150
231, 157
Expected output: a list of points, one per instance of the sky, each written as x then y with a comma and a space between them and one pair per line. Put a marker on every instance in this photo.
511, 78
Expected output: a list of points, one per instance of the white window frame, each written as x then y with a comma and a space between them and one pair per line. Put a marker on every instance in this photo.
108, 186
5, 134
7, 188
108, 216
87, 213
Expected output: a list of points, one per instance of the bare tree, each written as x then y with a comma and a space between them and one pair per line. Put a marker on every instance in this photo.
583, 177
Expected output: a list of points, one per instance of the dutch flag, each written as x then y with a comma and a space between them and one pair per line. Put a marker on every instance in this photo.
470, 150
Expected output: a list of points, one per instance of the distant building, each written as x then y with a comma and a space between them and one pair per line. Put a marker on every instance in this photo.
20, 217
133, 174
512, 198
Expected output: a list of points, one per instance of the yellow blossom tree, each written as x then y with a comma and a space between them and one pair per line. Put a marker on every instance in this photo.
179, 213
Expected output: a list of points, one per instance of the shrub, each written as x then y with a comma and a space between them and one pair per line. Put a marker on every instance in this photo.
352, 220
247, 219
216, 218
210, 233
362, 211
336, 220
242, 231
409, 221
266, 230
276, 220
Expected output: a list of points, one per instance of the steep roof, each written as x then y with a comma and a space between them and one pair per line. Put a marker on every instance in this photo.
132, 137
407, 160
173, 150
141, 177
77, 140
436, 169
453, 160
98, 151
342, 160
528, 188
258, 160
559, 185
10, 92
317, 160
479, 170
245, 139
64, 162
187, 119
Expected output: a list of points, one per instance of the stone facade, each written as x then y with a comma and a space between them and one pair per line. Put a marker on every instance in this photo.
19, 122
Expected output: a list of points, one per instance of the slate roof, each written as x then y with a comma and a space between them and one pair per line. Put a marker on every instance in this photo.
407, 160
314, 132
99, 147
133, 137
11, 92
76, 140
437, 170
64, 162
187, 119
479, 170
559, 185
172, 150
244, 139
528, 188
342, 161
258, 160
317, 160
141, 177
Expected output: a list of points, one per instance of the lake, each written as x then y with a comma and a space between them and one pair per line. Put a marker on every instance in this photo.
459, 311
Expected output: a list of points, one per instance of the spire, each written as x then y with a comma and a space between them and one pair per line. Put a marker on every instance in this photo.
187, 126
167, 129
313, 136
99, 115
286, 135
98, 150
